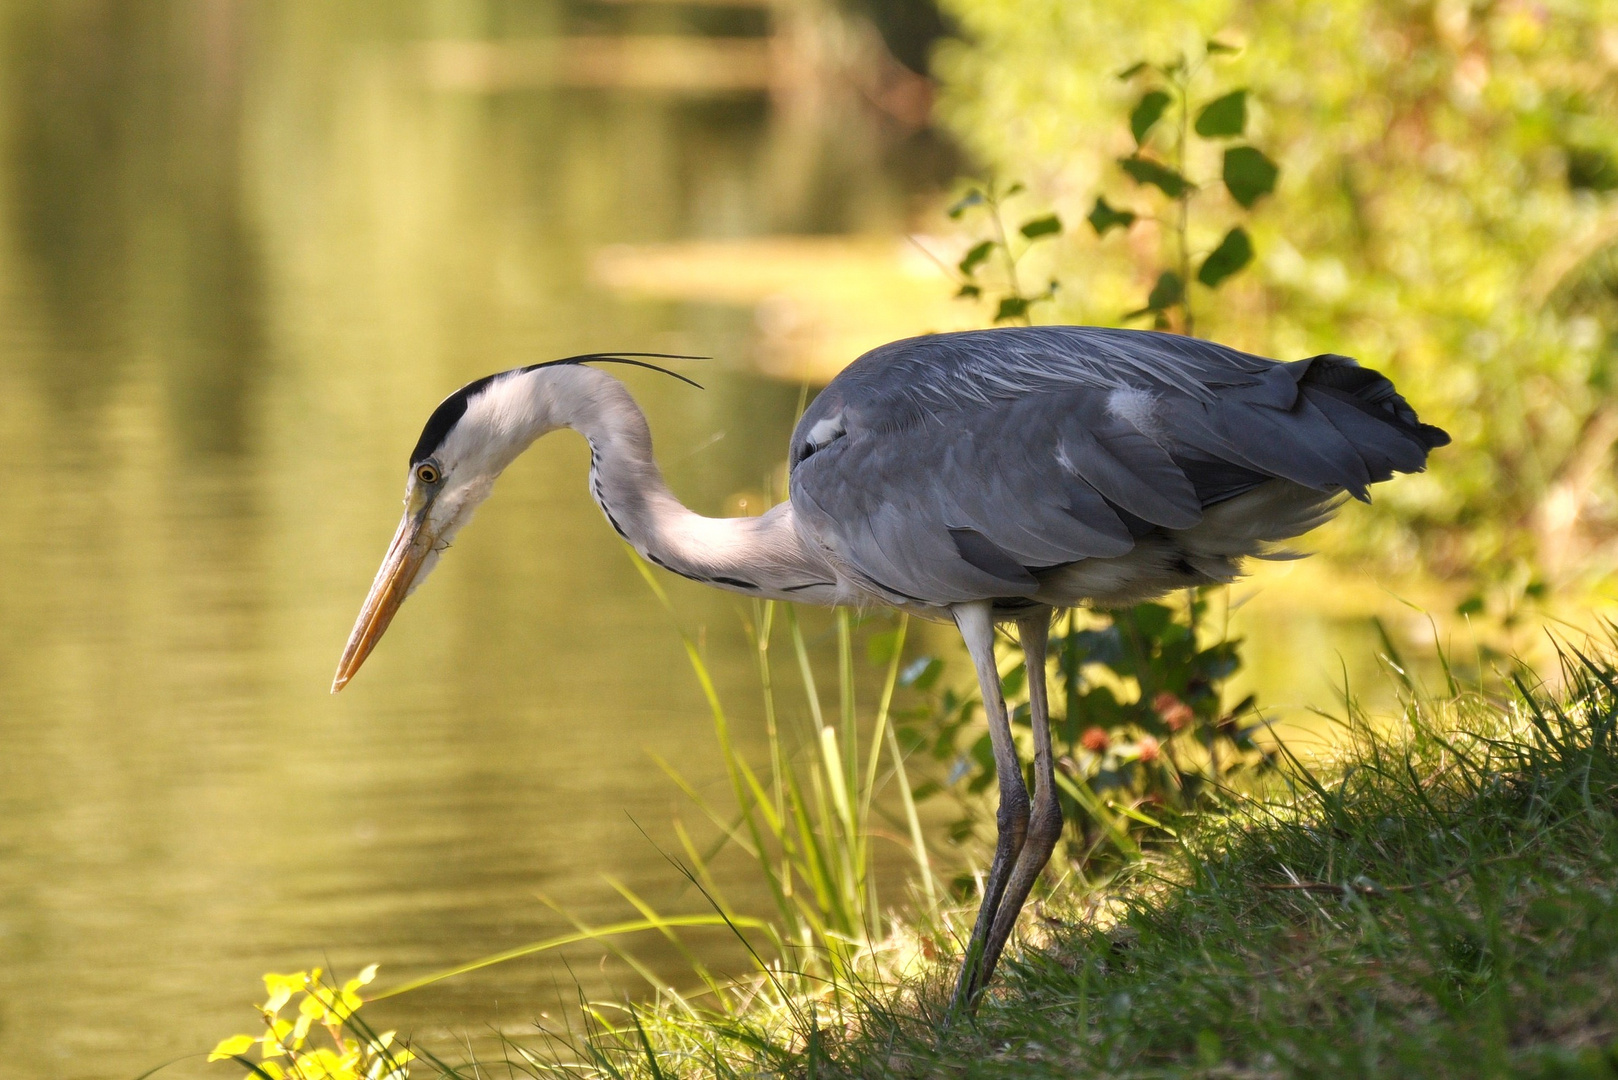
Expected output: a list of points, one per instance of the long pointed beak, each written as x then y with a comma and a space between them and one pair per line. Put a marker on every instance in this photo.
409, 549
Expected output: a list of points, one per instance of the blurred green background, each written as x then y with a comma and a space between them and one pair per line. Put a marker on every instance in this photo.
244, 249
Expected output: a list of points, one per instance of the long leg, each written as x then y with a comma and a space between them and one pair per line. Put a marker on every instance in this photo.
1045, 823
976, 623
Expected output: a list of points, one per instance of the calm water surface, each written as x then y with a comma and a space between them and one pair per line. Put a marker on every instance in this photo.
240, 261
241, 258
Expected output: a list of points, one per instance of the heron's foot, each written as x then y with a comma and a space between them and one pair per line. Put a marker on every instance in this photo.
1044, 830
1012, 833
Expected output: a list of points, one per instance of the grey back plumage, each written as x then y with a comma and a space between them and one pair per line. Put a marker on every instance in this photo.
969, 466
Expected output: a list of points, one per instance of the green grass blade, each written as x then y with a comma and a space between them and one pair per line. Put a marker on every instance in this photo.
632, 926
918, 841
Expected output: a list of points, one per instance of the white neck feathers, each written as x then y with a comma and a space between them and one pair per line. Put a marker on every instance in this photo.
762, 556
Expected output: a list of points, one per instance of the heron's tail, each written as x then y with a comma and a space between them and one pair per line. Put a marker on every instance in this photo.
1330, 378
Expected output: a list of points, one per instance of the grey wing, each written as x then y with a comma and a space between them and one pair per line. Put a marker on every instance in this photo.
957, 467
971, 505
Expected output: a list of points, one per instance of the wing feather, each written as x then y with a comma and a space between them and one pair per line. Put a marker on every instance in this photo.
1124, 464
959, 467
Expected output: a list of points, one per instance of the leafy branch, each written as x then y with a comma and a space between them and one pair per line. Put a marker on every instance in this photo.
1013, 304
1162, 126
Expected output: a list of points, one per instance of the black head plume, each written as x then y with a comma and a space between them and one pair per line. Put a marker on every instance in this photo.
452, 408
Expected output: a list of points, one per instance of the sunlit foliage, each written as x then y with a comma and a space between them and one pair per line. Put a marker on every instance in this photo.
1142, 732
1445, 208
288, 1049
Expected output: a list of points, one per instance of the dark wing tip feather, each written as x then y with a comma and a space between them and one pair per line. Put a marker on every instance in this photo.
1434, 437
1372, 393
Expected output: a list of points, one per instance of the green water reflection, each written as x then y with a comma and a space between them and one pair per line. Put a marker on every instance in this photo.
242, 254
243, 251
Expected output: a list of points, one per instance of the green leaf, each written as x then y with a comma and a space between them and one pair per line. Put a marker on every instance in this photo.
1249, 175
921, 672
1168, 291
1132, 70
1590, 168
969, 290
1224, 116
1146, 171
1011, 307
1215, 48
1148, 112
965, 202
1103, 217
976, 257
1049, 225
1234, 252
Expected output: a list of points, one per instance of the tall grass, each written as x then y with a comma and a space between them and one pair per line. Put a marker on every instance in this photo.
1438, 901
807, 821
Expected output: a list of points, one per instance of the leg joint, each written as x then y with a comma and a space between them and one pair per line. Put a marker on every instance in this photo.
1013, 811
1046, 821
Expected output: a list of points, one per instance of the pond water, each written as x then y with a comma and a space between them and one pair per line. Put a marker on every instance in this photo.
241, 257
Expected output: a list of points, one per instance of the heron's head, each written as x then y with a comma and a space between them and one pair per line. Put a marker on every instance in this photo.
468, 441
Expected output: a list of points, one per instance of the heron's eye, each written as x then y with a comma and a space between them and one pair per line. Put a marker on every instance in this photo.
428, 473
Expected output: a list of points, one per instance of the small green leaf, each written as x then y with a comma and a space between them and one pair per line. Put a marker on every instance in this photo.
1146, 171
1591, 168
1224, 116
976, 257
1011, 307
1215, 48
1049, 225
1148, 112
1249, 175
1234, 252
1015, 189
970, 199
1103, 217
1168, 291
1472, 605
970, 291
1132, 70
921, 672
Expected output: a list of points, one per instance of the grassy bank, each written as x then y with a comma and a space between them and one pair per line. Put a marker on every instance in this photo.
1439, 901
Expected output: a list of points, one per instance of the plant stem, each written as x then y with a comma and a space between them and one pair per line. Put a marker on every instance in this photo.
1005, 250
1183, 227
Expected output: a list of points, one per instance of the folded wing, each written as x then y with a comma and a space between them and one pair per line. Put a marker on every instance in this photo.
960, 467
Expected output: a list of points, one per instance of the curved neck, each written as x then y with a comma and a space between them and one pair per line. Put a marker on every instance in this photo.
761, 556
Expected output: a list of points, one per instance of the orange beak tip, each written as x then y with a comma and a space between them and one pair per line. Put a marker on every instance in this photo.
393, 581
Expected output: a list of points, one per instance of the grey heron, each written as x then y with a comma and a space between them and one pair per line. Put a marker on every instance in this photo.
983, 477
